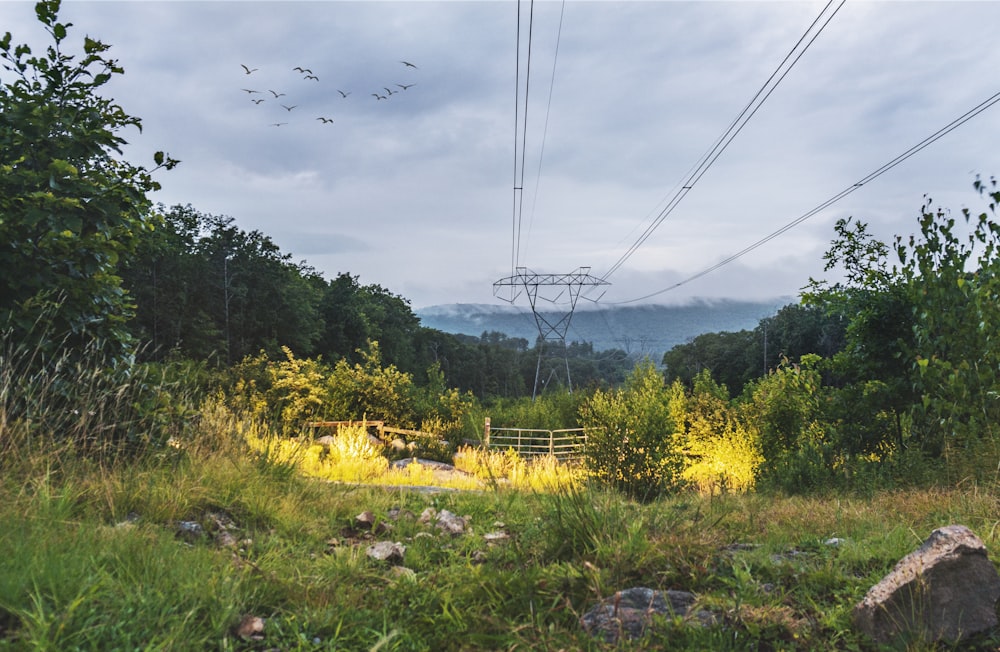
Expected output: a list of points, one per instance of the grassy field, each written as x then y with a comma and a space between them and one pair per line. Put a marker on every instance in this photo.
175, 552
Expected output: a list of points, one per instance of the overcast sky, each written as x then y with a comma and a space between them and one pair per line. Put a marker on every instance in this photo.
415, 192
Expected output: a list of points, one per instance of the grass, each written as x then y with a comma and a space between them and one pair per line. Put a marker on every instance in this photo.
94, 557
93, 560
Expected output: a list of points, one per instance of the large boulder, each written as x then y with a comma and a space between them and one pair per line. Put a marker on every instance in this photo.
944, 591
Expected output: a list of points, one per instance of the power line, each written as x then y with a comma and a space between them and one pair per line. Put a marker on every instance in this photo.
548, 112
518, 208
733, 130
843, 193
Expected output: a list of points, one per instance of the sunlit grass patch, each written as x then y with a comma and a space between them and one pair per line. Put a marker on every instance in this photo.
540, 473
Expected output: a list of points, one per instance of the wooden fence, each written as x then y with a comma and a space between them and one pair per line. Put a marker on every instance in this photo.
565, 445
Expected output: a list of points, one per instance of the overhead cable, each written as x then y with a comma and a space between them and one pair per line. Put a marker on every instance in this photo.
520, 128
843, 193
734, 128
545, 128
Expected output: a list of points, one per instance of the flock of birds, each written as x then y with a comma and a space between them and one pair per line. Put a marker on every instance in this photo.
307, 75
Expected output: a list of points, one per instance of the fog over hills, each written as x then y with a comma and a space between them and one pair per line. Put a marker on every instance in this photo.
645, 330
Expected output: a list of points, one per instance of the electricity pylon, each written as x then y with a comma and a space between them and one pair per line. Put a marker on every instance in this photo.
553, 325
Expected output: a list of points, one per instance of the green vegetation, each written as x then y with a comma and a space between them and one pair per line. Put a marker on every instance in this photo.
162, 373
175, 546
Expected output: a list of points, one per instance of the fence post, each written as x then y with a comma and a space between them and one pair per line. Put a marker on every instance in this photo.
486, 433
551, 443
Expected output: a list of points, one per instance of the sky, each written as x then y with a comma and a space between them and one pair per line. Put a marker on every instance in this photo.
414, 190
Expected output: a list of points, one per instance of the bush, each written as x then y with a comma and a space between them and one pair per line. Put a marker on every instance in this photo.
721, 453
630, 446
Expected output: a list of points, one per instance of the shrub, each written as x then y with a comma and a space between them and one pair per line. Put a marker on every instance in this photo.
721, 454
631, 442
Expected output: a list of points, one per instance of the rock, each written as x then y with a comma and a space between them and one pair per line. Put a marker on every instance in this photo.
429, 464
387, 551
628, 613
944, 591
190, 531
250, 628
396, 513
365, 520
326, 441
450, 523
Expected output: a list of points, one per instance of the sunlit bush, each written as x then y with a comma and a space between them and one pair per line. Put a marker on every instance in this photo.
720, 454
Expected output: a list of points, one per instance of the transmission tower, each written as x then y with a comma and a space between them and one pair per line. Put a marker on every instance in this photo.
553, 325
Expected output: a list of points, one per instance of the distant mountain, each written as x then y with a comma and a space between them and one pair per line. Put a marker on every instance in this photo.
646, 330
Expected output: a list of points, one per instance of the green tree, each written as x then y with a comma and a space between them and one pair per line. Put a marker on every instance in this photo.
873, 368
952, 274
206, 287
631, 442
70, 207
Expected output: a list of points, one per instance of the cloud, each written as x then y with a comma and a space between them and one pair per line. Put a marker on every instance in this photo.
416, 192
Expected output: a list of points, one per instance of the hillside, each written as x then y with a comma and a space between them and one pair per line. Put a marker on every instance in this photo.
645, 330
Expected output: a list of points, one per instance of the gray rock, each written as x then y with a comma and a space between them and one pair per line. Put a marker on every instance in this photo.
944, 591
627, 614
190, 531
429, 464
451, 523
387, 551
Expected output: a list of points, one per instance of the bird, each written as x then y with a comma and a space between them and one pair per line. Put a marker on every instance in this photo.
325, 120
343, 94
408, 64
311, 77
278, 124
289, 108
378, 97
248, 70
302, 70
389, 91
249, 90
257, 101
276, 95
405, 86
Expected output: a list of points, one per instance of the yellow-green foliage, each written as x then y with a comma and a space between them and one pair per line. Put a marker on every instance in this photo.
351, 457
381, 393
543, 473
727, 461
721, 454
297, 388
443, 410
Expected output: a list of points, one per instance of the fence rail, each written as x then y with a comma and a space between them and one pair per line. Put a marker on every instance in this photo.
565, 445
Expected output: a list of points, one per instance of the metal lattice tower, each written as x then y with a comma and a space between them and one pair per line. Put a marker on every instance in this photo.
553, 325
